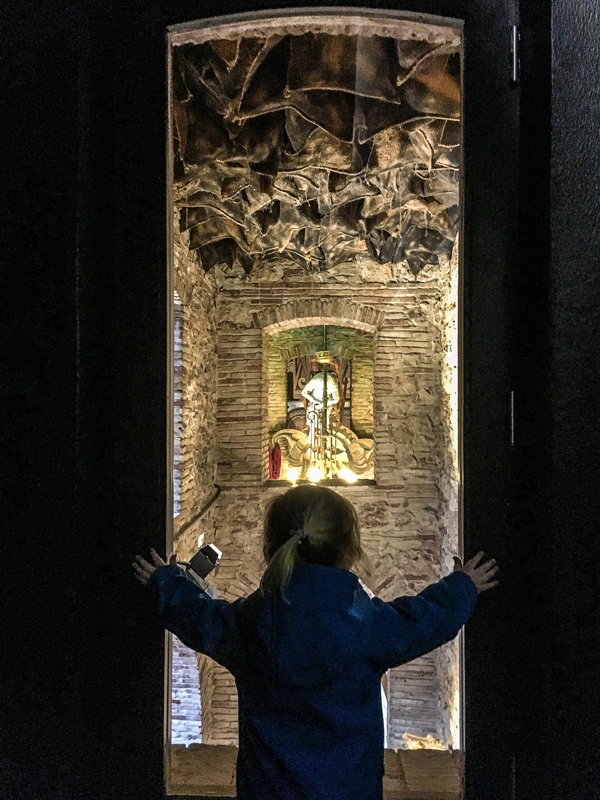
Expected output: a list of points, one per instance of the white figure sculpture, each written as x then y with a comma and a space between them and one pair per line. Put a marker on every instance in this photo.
314, 392
327, 449
322, 394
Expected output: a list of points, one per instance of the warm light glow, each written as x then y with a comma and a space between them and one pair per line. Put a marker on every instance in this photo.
315, 474
347, 475
292, 474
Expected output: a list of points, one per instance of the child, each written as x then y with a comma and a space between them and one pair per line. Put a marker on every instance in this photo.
309, 648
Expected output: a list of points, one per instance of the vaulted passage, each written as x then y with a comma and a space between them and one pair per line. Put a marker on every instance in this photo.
316, 215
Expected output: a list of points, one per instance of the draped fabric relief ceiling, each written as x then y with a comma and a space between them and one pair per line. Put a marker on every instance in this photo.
318, 146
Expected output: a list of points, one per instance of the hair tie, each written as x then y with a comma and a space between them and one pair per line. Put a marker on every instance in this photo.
301, 534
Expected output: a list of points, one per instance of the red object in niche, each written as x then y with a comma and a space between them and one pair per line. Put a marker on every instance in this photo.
274, 462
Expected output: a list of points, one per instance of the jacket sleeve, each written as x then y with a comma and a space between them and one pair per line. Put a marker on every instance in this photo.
409, 627
201, 623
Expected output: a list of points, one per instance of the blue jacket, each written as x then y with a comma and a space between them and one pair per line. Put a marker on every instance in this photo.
308, 672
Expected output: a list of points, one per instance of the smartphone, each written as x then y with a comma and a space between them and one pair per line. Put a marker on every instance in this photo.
202, 564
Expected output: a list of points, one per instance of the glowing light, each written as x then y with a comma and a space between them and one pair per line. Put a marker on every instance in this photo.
347, 475
315, 474
292, 474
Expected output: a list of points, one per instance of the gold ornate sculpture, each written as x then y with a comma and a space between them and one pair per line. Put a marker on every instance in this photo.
429, 742
343, 450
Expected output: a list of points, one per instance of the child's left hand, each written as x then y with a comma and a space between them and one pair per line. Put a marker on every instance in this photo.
144, 569
481, 574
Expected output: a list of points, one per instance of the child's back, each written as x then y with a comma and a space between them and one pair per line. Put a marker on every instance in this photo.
308, 672
309, 648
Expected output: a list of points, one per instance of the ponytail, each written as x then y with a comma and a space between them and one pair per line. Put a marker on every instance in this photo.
281, 566
308, 524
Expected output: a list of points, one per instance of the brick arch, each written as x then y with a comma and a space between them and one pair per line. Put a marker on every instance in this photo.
288, 353
314, 311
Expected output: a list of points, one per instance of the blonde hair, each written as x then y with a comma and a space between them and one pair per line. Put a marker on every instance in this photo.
311, 524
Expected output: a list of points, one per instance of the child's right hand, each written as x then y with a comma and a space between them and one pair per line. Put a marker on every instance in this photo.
481, 574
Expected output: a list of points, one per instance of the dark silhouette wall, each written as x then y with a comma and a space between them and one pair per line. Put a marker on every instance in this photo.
572, 548
83, 491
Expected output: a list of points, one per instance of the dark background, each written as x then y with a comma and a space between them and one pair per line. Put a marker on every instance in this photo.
83, 447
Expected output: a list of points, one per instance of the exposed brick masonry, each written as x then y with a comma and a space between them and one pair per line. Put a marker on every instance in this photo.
408, 525
198, 393
178, 314
186, 721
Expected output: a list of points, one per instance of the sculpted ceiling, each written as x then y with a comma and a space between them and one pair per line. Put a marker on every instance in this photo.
318, 146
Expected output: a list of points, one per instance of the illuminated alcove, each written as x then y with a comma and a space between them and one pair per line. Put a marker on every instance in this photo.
310, 440
316, 181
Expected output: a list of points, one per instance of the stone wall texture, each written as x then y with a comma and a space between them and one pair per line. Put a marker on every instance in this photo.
448, 656
409, 516
178, 315
198, 394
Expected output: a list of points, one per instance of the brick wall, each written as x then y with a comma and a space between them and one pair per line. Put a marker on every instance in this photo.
448, 657
239, 415
195, 395
186, 719
413, 698
409, 518
178, 315
219, 703
400, 537
198, 393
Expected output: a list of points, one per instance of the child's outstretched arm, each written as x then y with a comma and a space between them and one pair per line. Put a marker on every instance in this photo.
203, 624
409, 627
